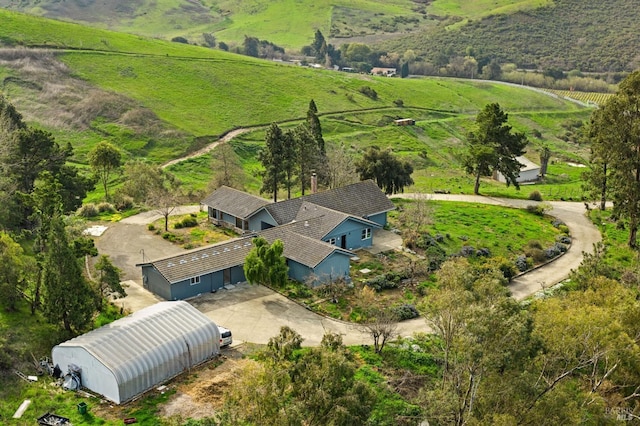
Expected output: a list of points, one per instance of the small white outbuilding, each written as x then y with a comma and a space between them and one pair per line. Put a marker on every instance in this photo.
127, 357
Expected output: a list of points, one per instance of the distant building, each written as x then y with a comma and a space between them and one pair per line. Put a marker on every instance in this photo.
405, 122
529, 172
387, 72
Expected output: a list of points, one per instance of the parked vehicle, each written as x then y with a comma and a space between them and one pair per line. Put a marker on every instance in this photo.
225, 337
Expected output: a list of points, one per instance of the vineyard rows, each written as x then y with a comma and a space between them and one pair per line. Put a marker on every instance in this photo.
593, 98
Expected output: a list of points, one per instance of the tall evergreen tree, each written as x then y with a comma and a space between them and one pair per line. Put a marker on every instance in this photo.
314, 126
493, 147
68, 296
272, 159
615, 134
289, 160
307, 155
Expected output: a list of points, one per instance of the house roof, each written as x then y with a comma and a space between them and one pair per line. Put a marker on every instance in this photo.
527, 164
236, 203
362, 199
203, 260
305, 250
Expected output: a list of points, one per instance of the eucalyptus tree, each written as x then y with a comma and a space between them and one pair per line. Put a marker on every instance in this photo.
615, 146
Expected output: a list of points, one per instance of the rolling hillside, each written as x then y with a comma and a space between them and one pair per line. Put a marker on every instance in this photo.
586, 35
161, 100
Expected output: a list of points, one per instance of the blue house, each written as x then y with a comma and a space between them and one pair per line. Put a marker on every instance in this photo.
318, 231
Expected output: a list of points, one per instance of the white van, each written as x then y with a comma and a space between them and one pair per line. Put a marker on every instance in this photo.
225, 337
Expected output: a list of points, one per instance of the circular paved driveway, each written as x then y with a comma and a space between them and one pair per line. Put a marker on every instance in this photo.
255, 313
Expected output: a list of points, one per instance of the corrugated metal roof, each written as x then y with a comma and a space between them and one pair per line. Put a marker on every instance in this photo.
234, 202
150, 346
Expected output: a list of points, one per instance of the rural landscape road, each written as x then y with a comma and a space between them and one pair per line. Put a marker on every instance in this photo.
255, 313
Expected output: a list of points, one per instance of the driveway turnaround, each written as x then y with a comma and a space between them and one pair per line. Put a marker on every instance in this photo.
256, 313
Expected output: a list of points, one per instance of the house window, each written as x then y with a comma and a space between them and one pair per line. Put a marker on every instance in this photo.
366, 233
195, 280
332, 241
213, 213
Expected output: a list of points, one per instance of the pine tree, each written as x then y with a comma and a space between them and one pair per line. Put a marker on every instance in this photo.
68, 296
272, 159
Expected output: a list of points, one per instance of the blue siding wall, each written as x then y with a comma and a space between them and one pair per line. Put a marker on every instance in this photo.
380, 218
352, 230
334, 266
208, 283
255, 221
229, 218
184, 290
155, 282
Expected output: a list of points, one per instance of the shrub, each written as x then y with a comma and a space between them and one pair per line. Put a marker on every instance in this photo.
151, 227
399, 103
439, 238
561, 247
564, 229
88, 210
534, 244
123, 202
539, 209
537, 255
386, 281
425, 241
564, 239
521, 263
535, 196
435, 256
467, 251
368, 92
483, 252
187, 222
106, 208
406, 312
552, 252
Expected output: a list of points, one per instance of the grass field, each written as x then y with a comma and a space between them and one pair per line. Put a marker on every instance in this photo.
481, 8
184, 96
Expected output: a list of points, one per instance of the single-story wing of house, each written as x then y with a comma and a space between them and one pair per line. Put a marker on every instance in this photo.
318, 231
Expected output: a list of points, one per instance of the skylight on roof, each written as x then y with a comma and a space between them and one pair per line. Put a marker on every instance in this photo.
183, 261
170, 264
204, 255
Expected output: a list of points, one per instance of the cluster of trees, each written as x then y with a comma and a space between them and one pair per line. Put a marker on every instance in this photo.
39, 188
295, 386
289, 157
614, 174
560, 361
359, 56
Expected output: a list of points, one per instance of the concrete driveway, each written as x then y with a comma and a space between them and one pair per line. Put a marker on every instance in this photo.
255, 313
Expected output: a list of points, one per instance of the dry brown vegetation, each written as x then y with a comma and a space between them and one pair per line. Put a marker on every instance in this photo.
47, 92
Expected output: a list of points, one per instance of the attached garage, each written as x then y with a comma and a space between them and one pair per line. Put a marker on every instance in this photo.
124, 359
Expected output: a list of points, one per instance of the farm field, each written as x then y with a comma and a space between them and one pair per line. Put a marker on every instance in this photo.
591, 98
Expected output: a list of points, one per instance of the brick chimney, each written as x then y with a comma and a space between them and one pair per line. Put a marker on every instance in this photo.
314, 183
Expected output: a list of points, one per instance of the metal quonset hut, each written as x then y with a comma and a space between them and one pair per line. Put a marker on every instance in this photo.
124, 359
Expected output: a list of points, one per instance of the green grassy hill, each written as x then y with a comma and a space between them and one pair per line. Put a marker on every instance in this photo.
285, 22
161, 100
588, 35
